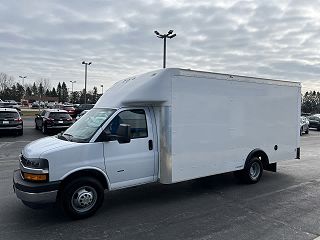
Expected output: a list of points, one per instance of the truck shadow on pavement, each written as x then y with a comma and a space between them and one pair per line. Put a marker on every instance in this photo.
154, 198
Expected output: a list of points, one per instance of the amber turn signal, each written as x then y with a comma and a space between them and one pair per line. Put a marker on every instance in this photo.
35, 177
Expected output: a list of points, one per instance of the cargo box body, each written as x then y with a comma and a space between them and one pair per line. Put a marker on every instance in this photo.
208, 123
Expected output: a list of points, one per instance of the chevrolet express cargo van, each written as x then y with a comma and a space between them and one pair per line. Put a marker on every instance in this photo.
165, 126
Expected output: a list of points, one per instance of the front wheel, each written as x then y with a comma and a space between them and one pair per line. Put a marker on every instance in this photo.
252, 171
82, 197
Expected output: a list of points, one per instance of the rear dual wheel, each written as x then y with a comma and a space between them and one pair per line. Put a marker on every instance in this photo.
252, 171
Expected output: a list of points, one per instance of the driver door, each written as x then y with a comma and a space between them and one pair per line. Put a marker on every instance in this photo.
132, 163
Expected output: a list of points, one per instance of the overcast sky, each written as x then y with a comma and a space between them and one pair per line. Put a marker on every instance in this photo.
264, 38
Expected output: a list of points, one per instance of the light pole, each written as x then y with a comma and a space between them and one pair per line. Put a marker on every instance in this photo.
23, 77
85, 80
101, 89
165, 36
72, 82
24, 91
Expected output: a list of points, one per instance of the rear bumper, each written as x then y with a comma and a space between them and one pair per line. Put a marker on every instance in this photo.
11, 127
40, 193
58, 127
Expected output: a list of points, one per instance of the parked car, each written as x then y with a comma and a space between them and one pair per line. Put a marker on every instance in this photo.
50, 105
71, 110
81, 114
52, 119
83, 107
314, 121
35, 105
304, 125
10, 120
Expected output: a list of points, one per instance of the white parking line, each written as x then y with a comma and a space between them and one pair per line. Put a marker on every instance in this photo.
317, 238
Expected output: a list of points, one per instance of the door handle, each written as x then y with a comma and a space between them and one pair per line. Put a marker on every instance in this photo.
150, 143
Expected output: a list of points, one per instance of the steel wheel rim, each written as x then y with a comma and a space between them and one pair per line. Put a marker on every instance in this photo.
84, 198
254, 171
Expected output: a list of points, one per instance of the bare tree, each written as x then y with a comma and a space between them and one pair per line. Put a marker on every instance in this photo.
45, 82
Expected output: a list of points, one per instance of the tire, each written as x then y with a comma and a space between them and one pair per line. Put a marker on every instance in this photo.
44, 129
82, 197
307, 131
300, 131
20, 132
252, 171
36, 125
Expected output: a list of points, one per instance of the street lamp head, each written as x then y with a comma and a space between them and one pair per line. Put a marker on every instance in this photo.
170, 31
89, 63
172, 36
156, 32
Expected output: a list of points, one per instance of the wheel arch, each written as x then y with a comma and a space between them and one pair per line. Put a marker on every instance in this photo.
259, 153
87, 172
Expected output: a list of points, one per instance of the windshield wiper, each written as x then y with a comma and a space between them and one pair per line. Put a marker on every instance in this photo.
69, 135
62, 137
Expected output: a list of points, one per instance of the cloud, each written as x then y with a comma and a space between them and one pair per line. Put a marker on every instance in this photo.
274, 39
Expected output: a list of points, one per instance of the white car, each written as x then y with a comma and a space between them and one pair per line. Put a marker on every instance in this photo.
304, 125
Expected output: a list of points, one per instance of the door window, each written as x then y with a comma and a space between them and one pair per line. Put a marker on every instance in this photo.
135, 118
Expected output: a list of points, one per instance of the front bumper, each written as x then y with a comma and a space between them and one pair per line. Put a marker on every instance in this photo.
40, 193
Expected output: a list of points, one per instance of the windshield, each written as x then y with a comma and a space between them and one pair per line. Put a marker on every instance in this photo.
6, 115
57, 115
86, 126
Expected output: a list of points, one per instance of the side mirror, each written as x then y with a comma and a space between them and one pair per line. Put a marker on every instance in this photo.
124, 133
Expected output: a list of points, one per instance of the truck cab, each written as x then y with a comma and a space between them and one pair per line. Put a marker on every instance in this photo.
121, 140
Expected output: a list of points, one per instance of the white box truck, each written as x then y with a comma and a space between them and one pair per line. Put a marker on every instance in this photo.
165, 126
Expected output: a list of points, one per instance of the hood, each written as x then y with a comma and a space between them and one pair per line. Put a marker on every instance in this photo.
36, 148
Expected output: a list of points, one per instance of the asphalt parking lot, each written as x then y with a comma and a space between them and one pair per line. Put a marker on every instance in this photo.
283, 205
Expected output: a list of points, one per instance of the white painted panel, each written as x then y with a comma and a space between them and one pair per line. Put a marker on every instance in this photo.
217, 123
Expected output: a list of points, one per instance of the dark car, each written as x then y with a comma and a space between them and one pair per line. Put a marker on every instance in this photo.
83, 107
35, 105
53, 119
314, 121
71, 110
10, 120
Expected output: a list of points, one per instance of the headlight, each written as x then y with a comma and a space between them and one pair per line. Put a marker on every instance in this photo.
36, 163
34, 169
